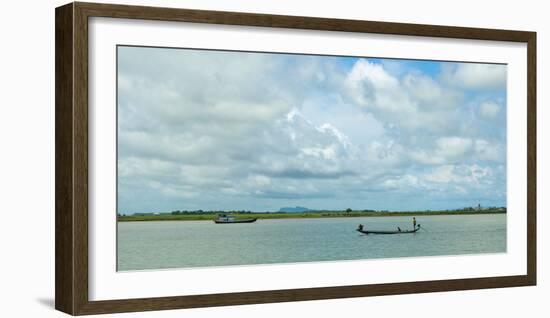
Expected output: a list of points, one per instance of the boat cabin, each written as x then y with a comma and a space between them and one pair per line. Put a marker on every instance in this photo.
226, 218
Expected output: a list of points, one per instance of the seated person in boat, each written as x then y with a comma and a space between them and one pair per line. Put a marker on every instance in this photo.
360, 227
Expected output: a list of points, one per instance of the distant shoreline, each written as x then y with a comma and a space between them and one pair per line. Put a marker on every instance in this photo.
303, 215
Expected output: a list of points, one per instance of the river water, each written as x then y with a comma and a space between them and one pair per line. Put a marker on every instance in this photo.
179, 244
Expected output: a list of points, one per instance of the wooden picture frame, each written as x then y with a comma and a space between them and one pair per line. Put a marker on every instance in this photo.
71, 90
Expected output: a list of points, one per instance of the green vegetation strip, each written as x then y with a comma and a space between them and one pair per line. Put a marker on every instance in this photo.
277, 215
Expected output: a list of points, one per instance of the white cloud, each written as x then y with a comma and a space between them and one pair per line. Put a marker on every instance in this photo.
259, 181
467, 175
375, 74
403, 183
426, 157
429, 94
369, 85
443, 174
415, 101
490, 151
453, 146
489, 110
475, 75
326, 153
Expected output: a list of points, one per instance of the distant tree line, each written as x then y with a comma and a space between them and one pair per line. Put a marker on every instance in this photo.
195, 212
346, 211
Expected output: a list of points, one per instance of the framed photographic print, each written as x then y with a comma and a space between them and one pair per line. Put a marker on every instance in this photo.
210, 158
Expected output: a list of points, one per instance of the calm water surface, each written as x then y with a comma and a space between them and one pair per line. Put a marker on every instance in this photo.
176, 244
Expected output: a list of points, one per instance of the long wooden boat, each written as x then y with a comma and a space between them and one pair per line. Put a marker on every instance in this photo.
234, 221
230, 219
389, 232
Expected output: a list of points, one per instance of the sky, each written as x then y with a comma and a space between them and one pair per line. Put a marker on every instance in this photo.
219, 130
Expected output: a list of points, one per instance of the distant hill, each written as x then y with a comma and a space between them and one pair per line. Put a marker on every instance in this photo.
296, 209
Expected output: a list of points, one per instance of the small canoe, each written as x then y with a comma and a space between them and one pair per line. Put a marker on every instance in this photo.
389, 232
234, 221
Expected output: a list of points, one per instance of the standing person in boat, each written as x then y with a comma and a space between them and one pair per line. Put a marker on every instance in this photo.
414, 223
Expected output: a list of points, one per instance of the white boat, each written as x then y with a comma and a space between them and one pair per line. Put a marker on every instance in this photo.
230, 219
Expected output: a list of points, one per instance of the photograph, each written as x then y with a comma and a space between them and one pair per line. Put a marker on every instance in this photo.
234, 158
